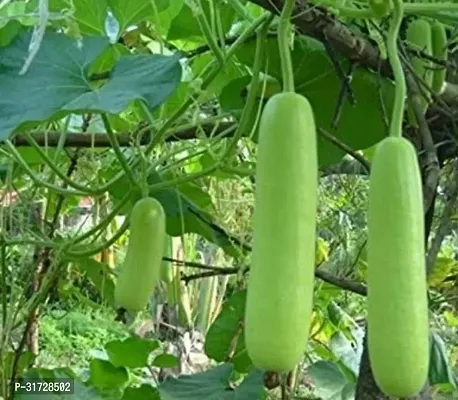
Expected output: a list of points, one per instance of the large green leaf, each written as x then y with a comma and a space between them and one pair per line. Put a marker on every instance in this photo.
225, 74
360, 126
9, 32
185, 26
131, 12
105, 376
166, 361
213, 385
164, 19
91, 15
440, 371
17, 11
101, 276
132, 352
227, 325
349, 357
144, 392
58, 80
328, 380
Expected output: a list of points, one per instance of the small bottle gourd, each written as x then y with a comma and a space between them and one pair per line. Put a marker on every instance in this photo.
439, 49
140, 271
398, 338
280, 283
419, 36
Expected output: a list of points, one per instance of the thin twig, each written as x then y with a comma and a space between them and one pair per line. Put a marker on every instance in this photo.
341, 145
189, 278
342, 283
193, 264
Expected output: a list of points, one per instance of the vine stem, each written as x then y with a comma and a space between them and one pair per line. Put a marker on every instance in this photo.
247, 112
426, 9
210, 73
117, 150
395, 61
283, 43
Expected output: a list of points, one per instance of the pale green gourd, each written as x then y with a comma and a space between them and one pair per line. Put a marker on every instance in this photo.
439, 50
280, 285
140, 272
398, 338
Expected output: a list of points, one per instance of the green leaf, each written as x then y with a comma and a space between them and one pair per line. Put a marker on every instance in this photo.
443, 267
132, 12
56, 83
252, 387
348, 392
9, 32
89, 15
343, 349
241, 360
20, 12
231, 100
328, 380
166, 361
163, 21
104, 375
213, 385
227, 325
316, 79
185, 26
202, 386
108, 59
226, 74
144, 392
450, 318
328, 292
101, 276
439, 368
25, 360
132, 352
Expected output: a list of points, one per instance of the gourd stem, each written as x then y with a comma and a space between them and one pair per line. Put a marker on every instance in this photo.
283, 42
249, 110
399, 78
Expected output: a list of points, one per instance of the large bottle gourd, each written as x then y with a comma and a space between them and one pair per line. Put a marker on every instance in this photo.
140, 271
280, 284
398, 339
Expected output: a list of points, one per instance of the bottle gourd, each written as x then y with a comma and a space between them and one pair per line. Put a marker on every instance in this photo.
439, 48
419, 36
398, 339
280, 283
140, 271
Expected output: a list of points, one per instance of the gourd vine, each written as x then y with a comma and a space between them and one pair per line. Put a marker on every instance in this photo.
283, 43
399, 78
